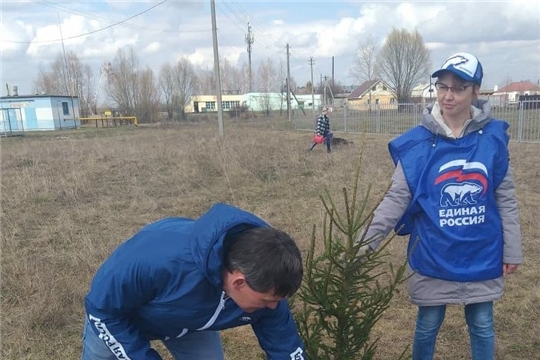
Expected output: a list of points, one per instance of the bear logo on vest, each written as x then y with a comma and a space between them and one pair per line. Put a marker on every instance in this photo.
460, 194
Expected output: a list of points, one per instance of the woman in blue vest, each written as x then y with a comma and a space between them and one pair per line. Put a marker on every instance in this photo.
453, 191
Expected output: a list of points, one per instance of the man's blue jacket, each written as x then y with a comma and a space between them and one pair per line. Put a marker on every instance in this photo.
166, 281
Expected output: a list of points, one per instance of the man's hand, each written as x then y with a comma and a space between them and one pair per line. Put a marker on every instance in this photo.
509, 269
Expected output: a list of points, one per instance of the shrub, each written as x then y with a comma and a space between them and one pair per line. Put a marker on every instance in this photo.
344, 292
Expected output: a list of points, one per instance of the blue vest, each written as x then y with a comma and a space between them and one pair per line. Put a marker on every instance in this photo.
453, 220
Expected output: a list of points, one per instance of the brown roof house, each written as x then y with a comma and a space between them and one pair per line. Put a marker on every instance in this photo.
512, 91
374, 92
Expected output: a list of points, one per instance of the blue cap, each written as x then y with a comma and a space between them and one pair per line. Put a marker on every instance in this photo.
464, 65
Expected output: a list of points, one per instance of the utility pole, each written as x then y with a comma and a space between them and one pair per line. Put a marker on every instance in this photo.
325, 80
249, 40
216, 67
68, 72
288, 85
430, 89
333, 79
311, 62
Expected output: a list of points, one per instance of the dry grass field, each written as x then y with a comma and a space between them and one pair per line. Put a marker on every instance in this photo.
69, 198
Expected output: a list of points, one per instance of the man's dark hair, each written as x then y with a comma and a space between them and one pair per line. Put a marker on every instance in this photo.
268, 258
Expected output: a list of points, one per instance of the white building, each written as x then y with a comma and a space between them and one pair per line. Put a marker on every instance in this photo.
261, 102
38, 112
424, 91
511, 92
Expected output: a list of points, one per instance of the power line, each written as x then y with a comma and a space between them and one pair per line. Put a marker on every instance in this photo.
231, 20
235, 13
267, 35
242, 22
56, 6
240, 8
96, 17
223, 39
95, 31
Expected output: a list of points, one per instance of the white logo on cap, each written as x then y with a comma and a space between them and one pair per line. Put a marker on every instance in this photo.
458, 61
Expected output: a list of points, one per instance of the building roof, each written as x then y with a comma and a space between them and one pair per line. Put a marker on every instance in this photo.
486, 91
520, 87
362, 89
20, 97
418, 90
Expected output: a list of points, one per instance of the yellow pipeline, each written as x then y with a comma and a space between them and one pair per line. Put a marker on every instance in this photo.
133, 119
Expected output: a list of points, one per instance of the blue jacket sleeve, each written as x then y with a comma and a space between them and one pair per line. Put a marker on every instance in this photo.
278, 335
119, 288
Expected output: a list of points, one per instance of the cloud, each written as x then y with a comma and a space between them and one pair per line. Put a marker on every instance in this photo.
504, 35
152, 47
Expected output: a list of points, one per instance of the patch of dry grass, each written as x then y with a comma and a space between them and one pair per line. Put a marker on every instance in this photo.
68, 199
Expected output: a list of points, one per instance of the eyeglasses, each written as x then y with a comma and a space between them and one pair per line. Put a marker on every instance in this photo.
457, 90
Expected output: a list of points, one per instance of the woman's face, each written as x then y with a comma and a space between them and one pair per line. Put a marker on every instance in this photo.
455, 96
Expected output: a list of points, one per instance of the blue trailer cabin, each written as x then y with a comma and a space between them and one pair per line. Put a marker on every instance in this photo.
38, 112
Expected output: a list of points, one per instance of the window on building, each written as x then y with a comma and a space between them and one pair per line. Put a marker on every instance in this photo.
210, 105
374, 88
377, 101
392, 101
384, 88
65, 108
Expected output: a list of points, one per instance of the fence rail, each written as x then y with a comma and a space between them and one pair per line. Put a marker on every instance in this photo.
107, 121
523, 117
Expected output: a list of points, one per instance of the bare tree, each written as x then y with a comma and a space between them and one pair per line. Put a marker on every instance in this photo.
166, 85
365, 62
122, 81
177, 84
308, 88
328, 89
87, 90
147, 100
206, 82
232, 81
185, 80
244, 77
281, 75
68, 76
404, 62
45, 82
267, 82
133, 90
79, 83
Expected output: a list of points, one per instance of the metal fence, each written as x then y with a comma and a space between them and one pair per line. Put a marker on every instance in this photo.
523, 117
11, 121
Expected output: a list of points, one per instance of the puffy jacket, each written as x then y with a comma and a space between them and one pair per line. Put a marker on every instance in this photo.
166, 281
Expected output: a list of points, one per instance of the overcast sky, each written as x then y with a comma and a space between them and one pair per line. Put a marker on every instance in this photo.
504, 35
